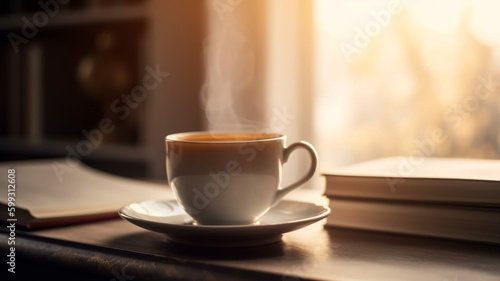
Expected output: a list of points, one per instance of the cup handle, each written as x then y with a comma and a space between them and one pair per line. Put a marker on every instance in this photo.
312, 169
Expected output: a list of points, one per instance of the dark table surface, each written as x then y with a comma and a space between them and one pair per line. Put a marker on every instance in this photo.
118, 250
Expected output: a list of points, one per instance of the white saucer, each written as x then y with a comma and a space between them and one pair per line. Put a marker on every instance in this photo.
168, 217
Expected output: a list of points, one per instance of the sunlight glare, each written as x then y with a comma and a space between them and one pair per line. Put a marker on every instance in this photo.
441, 16
485, 21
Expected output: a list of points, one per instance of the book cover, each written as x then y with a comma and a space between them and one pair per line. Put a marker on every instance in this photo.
469, 223
439, 180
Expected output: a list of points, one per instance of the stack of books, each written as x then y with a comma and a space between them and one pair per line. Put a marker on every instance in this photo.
438, 197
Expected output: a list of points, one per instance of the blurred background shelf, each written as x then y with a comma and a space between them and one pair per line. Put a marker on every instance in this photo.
84, 16
79, 68
112, 158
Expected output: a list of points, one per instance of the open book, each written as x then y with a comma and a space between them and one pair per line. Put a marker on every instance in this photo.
436, 180
46, 197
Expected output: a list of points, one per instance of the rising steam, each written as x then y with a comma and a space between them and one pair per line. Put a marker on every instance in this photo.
229, 71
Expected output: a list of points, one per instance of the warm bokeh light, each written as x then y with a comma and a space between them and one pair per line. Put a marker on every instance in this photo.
393, 74
438, 16
485, 21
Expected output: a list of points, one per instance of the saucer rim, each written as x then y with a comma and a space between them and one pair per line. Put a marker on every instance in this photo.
325, 212
227, 235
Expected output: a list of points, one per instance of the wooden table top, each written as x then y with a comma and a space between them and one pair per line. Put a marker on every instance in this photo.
114, 247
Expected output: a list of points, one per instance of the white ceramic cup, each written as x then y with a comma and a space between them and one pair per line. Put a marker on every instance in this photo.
230, 178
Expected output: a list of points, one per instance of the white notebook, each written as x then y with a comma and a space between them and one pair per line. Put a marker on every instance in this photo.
54, 189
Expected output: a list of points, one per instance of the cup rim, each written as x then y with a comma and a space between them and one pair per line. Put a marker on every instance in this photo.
267, 136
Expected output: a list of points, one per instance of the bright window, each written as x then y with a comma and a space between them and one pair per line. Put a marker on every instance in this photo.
417, 78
